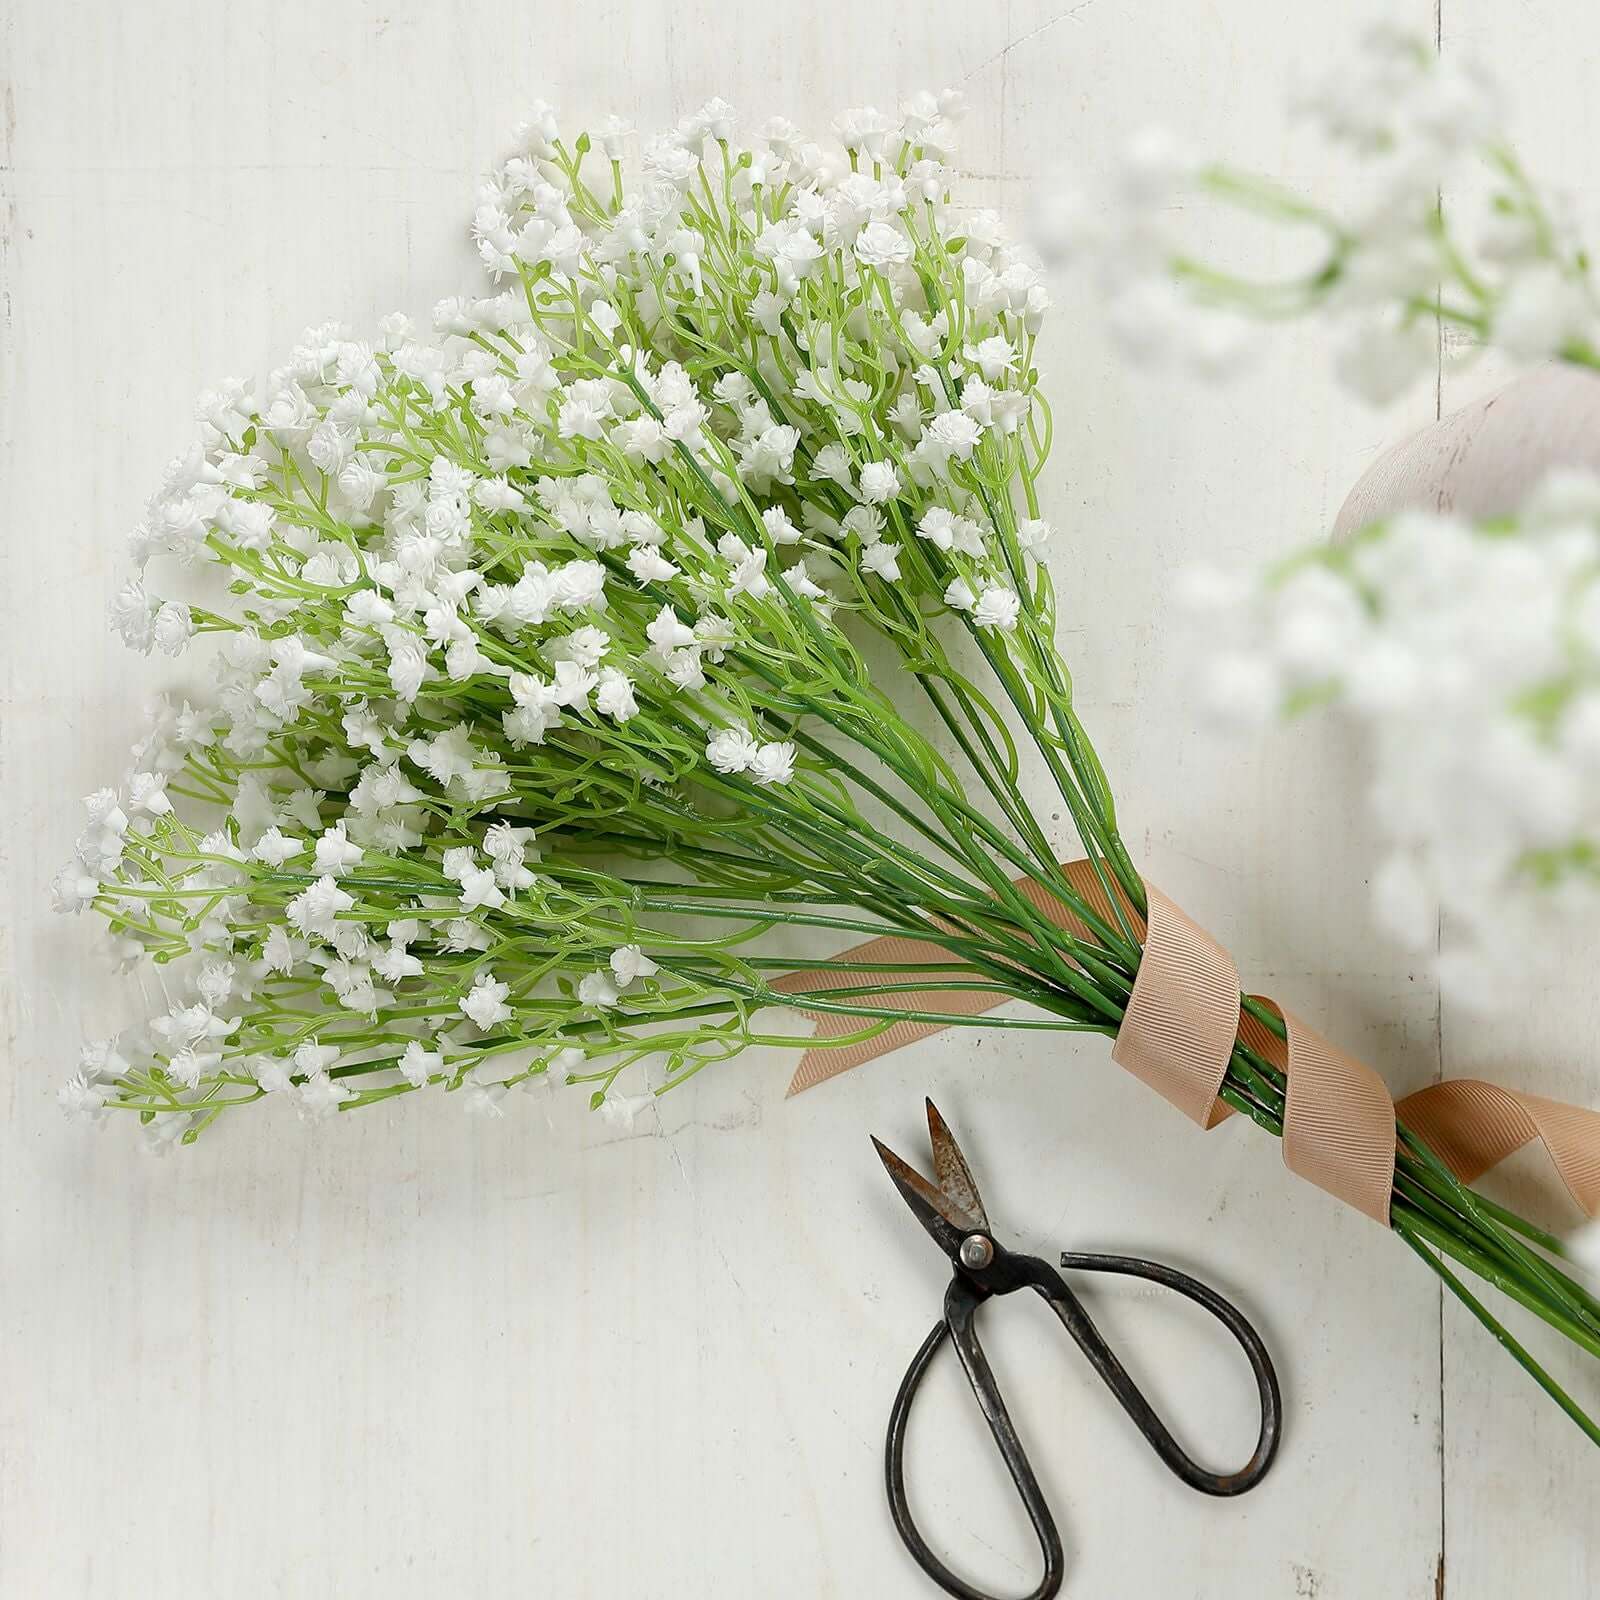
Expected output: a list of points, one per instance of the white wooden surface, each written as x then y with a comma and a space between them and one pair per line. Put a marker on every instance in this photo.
412, 1355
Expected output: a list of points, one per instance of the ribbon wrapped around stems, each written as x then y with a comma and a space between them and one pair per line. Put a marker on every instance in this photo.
1178, 1033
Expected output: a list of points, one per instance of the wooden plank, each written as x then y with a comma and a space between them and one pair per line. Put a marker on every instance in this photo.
1519, 1478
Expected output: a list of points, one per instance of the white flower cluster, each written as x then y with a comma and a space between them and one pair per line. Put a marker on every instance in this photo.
1503, 265
568, 566
1470, 659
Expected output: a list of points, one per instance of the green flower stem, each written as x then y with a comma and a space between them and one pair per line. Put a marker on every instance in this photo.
1502, 1335
1503, 1241
1414, 1220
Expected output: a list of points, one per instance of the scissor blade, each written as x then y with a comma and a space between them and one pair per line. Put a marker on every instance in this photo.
944, 1220
950, 1169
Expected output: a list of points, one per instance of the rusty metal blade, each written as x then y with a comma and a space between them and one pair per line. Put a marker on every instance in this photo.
944, 1220
950, 1169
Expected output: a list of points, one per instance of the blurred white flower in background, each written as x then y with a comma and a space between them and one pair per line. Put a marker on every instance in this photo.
1504, 268
1469, 657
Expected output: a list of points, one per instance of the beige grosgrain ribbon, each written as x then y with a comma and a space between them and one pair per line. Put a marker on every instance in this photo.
1178, 1034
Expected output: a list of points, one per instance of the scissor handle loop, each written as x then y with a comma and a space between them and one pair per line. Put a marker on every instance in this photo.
1070, 1310
961, 1301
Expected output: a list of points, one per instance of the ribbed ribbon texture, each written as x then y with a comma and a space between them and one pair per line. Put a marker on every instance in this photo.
1178, 1033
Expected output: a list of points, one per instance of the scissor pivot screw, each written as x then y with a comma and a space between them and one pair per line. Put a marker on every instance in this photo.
976, 1251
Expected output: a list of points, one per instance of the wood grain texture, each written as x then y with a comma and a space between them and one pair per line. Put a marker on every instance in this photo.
412, 1355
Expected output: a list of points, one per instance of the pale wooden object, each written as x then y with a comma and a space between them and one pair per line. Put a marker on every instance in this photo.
1484, 459
410, 1355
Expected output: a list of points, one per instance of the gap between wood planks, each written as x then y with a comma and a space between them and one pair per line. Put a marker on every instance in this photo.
1438, 998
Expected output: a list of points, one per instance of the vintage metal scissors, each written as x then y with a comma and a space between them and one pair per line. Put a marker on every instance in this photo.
951, 1209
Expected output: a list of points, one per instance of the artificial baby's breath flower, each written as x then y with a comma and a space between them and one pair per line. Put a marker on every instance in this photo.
320, 1096
418, 1065
624, 1110
996, 607
773, 763
629, 962
881, 244
484, 1100
953, 433
878, 483
597, 989
336, 854
485, 1004
958, 595
882, 560
274, 847
563, 1064
731, 750
82, 1100
171, 628
314, 910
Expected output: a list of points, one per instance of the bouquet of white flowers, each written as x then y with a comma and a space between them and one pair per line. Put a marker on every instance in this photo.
540, 687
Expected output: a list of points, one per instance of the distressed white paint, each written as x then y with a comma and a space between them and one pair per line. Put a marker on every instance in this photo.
409, 1355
